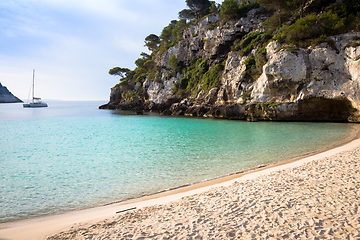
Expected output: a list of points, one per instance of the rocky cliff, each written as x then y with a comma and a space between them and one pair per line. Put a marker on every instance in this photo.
6, 96
216, 79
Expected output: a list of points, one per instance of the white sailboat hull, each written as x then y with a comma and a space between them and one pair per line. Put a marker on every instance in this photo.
34, 105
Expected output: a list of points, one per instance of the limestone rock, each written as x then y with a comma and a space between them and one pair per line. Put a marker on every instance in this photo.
233, 84
281, 77
160, 91
321, 82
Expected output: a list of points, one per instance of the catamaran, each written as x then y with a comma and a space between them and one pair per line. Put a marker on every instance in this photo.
36, 101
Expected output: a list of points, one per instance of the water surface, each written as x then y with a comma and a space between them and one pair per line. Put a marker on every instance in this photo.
72, 155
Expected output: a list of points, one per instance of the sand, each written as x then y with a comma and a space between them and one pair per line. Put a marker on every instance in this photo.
316, 197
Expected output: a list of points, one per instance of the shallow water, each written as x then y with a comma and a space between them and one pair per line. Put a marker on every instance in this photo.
72, 155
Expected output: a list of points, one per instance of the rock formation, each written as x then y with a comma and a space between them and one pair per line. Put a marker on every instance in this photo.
320, 83
6, 96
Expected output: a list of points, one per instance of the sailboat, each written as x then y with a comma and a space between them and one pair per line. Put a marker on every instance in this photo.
36, 101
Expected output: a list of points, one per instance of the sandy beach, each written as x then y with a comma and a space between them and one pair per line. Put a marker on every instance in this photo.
315, 197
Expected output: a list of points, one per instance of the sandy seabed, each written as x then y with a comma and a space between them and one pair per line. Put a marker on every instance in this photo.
317, 200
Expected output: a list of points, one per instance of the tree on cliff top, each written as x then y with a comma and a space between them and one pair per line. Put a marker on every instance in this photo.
172, 33
229, 9
232, 9
199, 7
152, 42
187, 14
118, 71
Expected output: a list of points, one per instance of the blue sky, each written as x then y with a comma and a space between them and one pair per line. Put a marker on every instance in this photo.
72, 44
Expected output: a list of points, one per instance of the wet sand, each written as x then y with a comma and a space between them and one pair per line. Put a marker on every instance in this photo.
316, 196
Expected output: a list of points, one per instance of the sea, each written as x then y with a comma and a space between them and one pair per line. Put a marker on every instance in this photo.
71, 155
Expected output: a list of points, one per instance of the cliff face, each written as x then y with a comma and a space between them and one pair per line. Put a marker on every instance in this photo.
6, 96
320, 83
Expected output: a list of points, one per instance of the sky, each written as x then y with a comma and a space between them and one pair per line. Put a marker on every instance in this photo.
72, 44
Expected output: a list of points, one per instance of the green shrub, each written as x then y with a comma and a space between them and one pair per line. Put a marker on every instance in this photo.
213, 26
251, 41
183, 83
236, 45
130, 95
246, 40
211, 78
354, 22
181, 92
141, 78
245, 8
273, 22
250, 63
254, 64
319, 40
232, 9
317, 26
124, 83
260, 59
271, 104
153, 72
149, 64
174, 64
178, 30
196, 73
313, 26
266, 105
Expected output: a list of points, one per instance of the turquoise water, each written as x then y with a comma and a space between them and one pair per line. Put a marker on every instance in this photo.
72, 155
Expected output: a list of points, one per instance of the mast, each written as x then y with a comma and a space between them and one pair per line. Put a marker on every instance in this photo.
33, 86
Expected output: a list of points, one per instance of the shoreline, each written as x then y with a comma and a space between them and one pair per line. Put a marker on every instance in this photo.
38, 228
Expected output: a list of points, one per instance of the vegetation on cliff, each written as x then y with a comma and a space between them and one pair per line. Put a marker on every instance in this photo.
316, 26
198, 75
